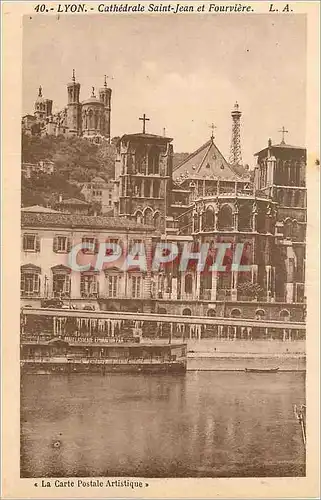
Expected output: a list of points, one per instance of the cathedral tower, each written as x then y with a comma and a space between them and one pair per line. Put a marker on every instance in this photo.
73, 107
105, 97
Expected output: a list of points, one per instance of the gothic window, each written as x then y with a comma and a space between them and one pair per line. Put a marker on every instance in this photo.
245, 218
96, 120
207, 280
224, 280
148, 216
280, 196
295, 231
156, 189
225, 217
157, 220
208, 219
287, 228
211, 313
139, 217
261, 221
188, 284
139, 159
297, 199
153, 161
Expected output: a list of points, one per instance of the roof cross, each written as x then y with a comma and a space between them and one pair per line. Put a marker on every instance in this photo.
213, 127
106, 77
144, 119
283, 131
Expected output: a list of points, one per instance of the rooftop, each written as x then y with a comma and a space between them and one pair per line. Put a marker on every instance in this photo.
209, 163
39, 209
281, 145
72, 201
36, 219
147, 137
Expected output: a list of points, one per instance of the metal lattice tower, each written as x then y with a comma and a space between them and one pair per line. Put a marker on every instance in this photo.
235, 152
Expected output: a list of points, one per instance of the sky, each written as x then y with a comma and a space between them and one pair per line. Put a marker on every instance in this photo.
184, 71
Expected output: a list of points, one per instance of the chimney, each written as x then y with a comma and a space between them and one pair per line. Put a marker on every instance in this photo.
60, 198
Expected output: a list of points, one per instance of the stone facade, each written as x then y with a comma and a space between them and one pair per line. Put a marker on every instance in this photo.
90, 118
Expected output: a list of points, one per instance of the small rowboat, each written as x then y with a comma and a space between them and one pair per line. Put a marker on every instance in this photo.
262, 370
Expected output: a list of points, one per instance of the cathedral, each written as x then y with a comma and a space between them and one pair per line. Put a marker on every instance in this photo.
89, 119
205, 199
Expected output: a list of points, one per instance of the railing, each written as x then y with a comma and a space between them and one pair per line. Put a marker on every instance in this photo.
162, 318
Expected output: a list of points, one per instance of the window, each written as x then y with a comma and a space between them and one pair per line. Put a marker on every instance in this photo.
30, 282
61, 285
60, 244
31, 243
136, 287
153, 161
188, 283
225, 218
89, 244
112, 250
88, 285
112, 281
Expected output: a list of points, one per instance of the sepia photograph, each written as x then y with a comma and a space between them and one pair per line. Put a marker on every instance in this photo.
163, 297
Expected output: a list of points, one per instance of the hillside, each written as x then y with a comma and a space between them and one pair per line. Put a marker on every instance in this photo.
76, 161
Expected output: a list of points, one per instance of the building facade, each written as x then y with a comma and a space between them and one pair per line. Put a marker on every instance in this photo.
89, 118
205, 200
100, 192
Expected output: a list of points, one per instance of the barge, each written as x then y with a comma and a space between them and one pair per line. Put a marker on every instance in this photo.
61, 356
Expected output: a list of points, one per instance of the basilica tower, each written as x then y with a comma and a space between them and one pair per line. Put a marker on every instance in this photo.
105, 97
73, 107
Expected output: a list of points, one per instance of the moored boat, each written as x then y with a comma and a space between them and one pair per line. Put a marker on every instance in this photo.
262, 370
61, 356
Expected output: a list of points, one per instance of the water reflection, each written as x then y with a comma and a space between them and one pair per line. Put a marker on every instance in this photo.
213, 424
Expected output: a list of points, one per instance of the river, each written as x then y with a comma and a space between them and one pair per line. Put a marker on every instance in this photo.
201, 424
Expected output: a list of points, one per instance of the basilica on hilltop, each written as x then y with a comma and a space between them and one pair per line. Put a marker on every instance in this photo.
89, 118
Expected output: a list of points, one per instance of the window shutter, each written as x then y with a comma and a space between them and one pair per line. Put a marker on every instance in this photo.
68, 245
96, 249
37, 245
55, 244
37, 283
24, 242
22, 283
